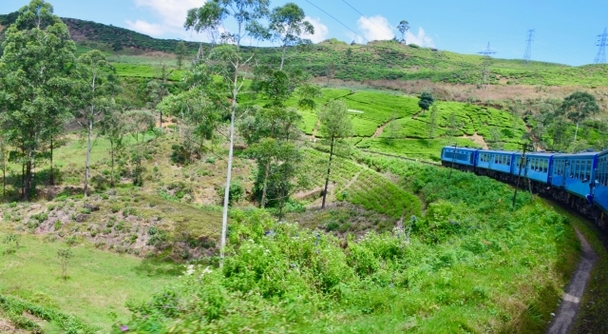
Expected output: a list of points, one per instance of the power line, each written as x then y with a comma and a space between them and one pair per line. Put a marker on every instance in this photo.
600, 58
370, 21
345, 26
529, 39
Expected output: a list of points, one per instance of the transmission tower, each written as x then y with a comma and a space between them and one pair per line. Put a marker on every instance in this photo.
485, 67
487, 52
529, 40
600, 58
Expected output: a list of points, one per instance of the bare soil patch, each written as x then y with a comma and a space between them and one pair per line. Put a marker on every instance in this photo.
477, 139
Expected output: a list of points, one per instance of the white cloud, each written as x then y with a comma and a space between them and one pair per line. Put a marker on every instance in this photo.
145, 27
375, 28
172, 14
321, 30
421, 39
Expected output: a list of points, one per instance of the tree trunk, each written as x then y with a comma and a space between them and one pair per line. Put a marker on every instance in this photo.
282, 58
23, 180
575, 134
331, 154
112, 148
266, 172
27, 187
52, 180
88, 161
229, 171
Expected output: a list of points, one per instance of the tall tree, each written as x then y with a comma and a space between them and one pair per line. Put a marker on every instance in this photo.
114, 129
157, 89
287, 25
35, 66
97, 80
403, 27
432, 124
578, 106
335, 126
181, 50
210, 17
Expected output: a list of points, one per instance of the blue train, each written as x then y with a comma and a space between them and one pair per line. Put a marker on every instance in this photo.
579, 180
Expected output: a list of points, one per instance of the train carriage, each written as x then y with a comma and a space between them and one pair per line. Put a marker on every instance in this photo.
538, 166
497, 164
600, 189
574, 174
463, 156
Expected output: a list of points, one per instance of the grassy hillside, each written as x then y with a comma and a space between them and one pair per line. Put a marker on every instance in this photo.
376, 61
400, 247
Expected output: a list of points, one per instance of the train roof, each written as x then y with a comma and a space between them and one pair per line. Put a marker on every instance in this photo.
576, 155
496, 151
462, 148
537, 154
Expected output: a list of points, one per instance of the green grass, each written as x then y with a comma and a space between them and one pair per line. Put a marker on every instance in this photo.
470, 264
412, 148
144, 70
99, 283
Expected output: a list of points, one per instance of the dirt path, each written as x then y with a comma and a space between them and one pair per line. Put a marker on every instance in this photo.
477, 139
380, 130
571, 299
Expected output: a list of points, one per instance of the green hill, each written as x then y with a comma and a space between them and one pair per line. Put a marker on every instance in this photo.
401, 246
376, 61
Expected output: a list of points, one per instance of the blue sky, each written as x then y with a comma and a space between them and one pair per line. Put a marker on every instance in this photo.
565, 31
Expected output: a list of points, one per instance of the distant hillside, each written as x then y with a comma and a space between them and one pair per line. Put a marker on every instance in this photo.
376, 61
116, 37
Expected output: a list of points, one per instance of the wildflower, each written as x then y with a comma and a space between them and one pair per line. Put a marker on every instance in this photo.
189, 270
124, 328
207, 270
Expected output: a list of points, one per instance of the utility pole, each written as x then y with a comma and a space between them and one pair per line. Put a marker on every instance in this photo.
522, 164
529, 40
486, 63
453, 158
600, 58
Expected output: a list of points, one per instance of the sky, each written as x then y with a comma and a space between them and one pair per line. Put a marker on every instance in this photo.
565, 32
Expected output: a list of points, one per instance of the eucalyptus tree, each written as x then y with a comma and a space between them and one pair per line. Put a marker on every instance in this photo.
201, 109
210, 17
272, 132
181, 51
287, 25
335, 126
138, 123
96, 85
432, 124
403, 27
114, 128
157, 89
35, 67
577, 107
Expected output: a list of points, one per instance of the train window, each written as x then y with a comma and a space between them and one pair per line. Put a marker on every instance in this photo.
545, 165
